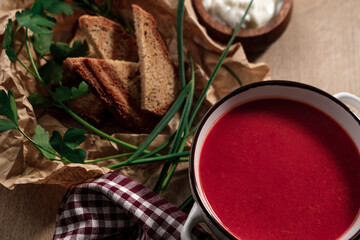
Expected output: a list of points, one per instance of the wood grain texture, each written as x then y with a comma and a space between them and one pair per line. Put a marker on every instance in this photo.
29, 211
320, 47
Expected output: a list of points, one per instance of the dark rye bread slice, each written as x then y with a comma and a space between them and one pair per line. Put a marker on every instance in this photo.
158, 79
106, 39
117, 84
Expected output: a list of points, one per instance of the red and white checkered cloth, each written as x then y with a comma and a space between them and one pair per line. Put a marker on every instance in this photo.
116, 207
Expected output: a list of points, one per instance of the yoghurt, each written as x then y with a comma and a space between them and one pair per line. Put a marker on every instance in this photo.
230, 12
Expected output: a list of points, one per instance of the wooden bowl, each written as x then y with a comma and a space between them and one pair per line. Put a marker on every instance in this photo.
253, 40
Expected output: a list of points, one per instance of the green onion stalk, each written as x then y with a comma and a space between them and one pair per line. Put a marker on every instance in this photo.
166, 174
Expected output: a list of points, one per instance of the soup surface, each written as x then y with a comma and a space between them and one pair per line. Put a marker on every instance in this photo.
280, 169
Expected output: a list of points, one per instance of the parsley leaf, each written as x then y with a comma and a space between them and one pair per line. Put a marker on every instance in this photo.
42, 138
8, 41
38, 100
66, 146
8, 109
37, 7
42, 42
51, 71
35, 22
53, 6
74, 137
63, 93
79, 49
57, 7
82, 90
8, 106
7, 34
61, 51
6, 125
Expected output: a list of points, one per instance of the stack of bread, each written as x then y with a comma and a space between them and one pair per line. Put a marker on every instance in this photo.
133, 78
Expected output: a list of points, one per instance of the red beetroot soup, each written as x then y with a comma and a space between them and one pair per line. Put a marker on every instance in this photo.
280, 169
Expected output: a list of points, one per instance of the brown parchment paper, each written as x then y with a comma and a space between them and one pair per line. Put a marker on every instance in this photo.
21, 163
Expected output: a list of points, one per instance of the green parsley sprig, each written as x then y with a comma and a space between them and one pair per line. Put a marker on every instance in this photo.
187, 118
38, 20
56, 147
60, 147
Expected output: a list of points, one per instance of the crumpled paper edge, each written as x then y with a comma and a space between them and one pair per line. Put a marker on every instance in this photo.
18, 153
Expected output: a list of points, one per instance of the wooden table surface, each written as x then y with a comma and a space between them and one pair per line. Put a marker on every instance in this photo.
320, 47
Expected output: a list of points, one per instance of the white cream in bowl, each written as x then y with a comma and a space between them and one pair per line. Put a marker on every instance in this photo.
230, 12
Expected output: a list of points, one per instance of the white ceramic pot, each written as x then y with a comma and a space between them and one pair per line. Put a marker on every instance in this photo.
332, 105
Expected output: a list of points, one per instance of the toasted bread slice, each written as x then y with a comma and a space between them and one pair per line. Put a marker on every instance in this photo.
89, 106
117, 83
95, 114
158, 80
106, 39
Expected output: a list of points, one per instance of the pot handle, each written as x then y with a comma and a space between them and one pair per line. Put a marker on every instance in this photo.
196, 216
349, 98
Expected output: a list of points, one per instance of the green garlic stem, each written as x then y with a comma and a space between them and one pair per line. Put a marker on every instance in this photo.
152, 159
109, 157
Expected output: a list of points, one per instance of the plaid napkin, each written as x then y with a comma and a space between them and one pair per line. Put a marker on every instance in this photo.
116, 207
